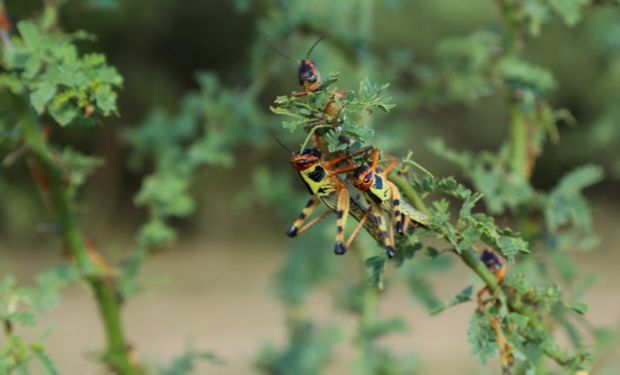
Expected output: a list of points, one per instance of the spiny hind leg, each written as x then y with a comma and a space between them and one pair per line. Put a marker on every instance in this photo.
378, 215
342, 213
312, 204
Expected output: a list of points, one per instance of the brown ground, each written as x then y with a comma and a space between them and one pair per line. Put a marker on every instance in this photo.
215, 295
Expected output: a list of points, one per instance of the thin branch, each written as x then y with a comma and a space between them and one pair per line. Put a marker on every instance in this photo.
117, 353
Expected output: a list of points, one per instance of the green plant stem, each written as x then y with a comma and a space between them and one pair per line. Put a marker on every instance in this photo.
116, 354
409, 192
518, 141
369, 312
472, 260
513, 44
510, 21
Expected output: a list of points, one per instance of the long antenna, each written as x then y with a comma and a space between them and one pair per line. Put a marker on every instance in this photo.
314, 45
279, 142
281, 53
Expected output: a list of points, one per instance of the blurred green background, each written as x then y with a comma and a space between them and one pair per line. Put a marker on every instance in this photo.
219, 277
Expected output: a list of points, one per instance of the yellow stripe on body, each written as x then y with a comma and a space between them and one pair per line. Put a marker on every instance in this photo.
384, 194
324, 187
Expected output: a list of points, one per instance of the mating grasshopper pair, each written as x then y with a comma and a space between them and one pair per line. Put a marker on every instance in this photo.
321, 176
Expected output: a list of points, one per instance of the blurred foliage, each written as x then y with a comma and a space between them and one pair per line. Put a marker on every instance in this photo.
225, 115
186, 363
60, 82
18, 308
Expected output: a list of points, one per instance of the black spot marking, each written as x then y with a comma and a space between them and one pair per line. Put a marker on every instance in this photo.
317, 174
339, 214
391, 253
396, 202
339, 229
397, 213
383, 234
374, 197
302, 216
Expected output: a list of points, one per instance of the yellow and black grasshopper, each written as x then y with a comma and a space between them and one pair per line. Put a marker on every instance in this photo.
382, 196
321, 176
322, 181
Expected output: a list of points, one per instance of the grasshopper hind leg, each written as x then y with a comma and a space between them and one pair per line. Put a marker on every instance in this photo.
294, 229
386, 235
342, 213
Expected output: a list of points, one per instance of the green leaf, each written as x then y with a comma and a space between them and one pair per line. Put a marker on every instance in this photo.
566, 204
46, 362
185, 363
511, 246
377, 266
469, 204
62, 82
12, 82
23, 318
463, 296
42, 95
569, 10
156, 233
522, 75
63, 115
384, 327
29, 33
481, 336
579, 307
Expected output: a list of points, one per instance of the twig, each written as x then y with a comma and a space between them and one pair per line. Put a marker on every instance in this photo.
116, 354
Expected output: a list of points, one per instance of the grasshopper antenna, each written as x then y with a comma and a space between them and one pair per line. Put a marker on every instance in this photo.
278, 141
281, 53
314, 45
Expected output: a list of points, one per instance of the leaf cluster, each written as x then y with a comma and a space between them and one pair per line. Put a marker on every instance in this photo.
350, 127
208, 124
19, 307
45, 65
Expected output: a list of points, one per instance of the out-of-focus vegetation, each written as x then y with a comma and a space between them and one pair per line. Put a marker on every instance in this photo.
517, 98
